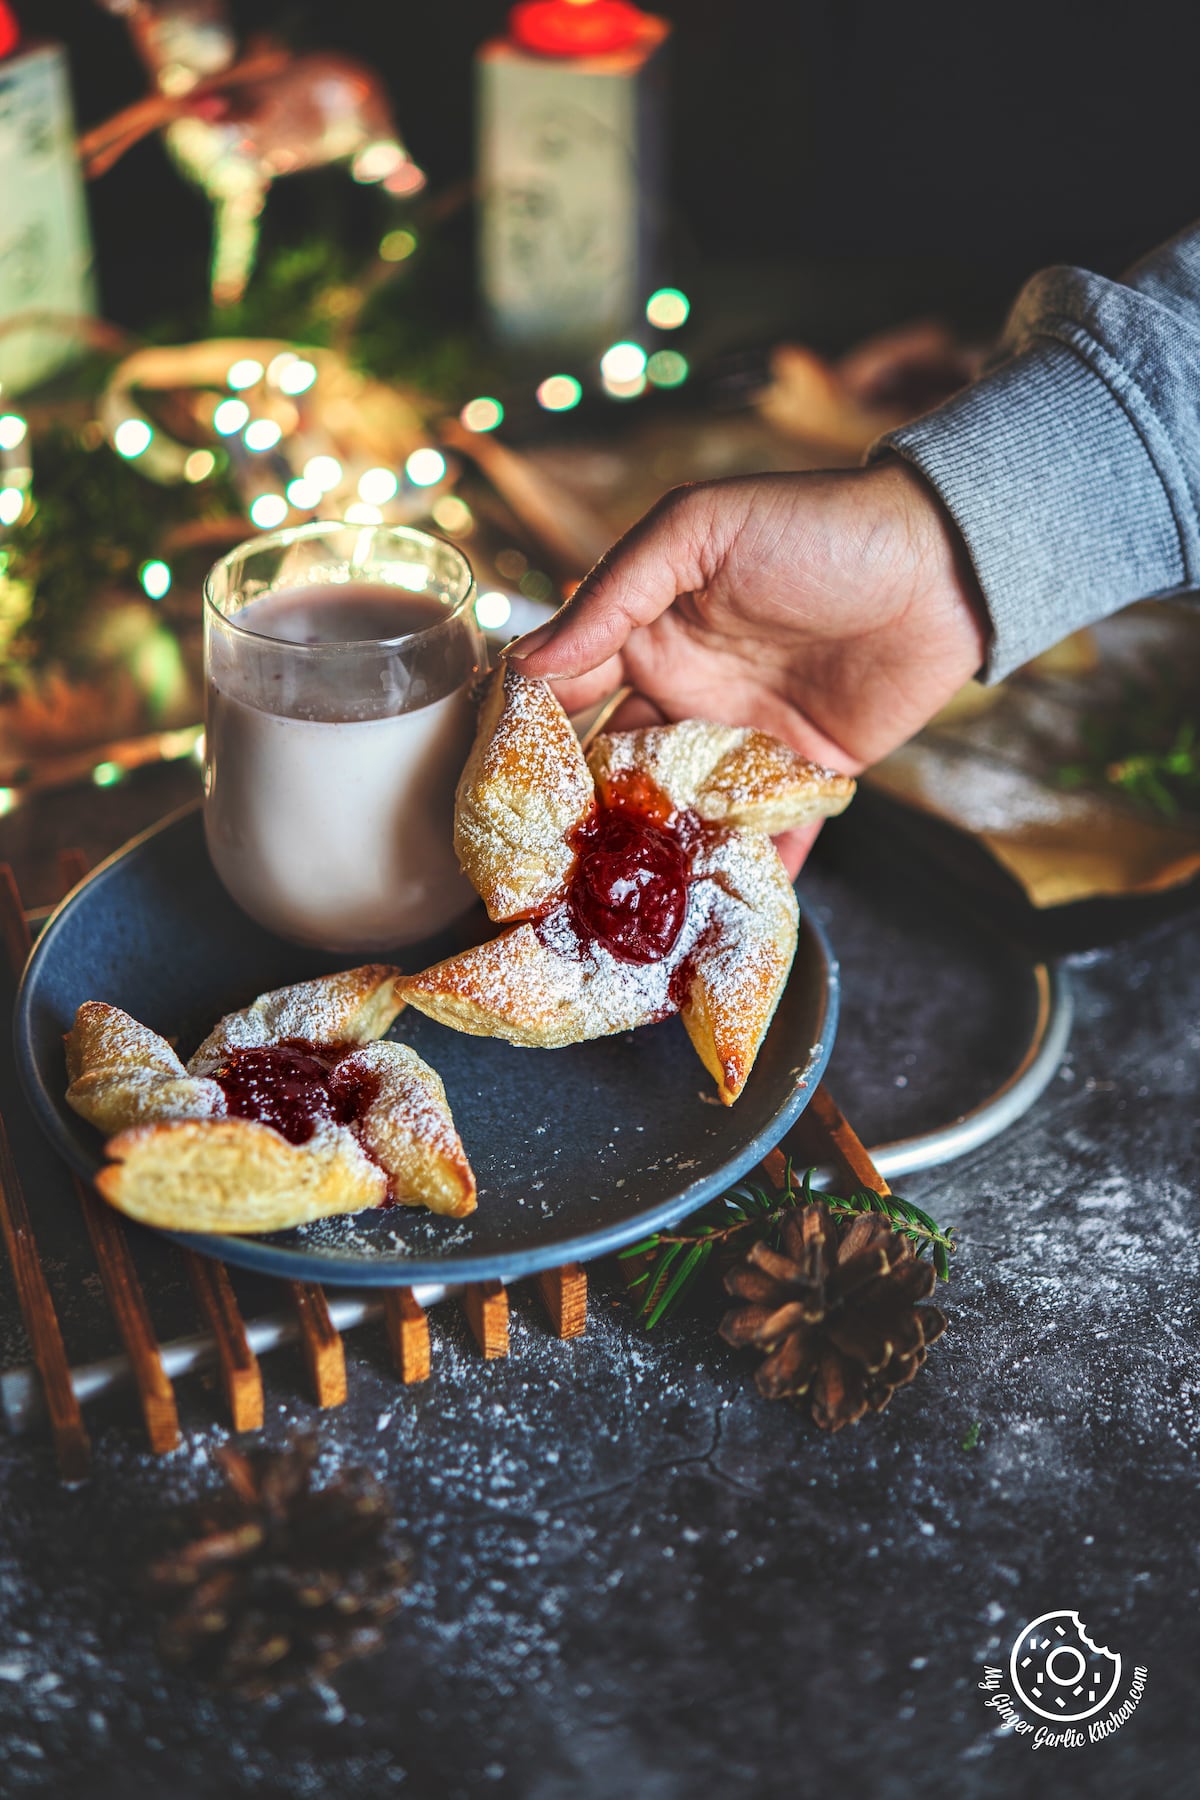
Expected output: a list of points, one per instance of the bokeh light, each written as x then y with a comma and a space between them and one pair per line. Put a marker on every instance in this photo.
512, 563
559, 393
535, 584
425, 467
483, 414
230, 416
268, 511
12, 431
493, 609
375, 162
324, 472
362, 514
667, 368
622, 364
453, 515
131, 437
244, 373
199, 465
305, 495
262, 434
12, 505
405, 181
297, 377
397, 246
668, 309
378, 486
107, 774
155, 577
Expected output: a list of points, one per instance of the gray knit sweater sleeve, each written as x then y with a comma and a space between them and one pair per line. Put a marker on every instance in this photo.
1072, 468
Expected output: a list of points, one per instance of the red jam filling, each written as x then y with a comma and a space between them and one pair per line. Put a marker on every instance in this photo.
629, 889
294, 1087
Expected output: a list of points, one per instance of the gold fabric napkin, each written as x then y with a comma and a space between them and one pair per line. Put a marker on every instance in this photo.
1017, 766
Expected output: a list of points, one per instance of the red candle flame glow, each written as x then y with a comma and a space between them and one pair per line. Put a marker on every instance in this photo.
576, 27
10, 33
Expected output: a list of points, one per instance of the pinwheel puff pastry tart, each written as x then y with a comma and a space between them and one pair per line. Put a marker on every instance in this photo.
289, 1111
643, 878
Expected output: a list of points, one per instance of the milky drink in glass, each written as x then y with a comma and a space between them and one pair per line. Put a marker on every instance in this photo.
339, 668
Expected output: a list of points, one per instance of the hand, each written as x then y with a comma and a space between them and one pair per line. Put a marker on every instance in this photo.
836, 611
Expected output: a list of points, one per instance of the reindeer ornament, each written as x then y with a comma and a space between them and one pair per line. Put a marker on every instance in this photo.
234, 125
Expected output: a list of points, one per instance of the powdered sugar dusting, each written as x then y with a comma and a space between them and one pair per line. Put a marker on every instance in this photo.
124, 1074
526, 787
348, 1007
409, 1129
544, 985
724, 774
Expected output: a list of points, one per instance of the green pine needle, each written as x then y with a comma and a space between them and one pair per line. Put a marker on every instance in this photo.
676, 1260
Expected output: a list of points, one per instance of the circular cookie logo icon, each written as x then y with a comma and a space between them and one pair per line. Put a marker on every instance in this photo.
1058, 1672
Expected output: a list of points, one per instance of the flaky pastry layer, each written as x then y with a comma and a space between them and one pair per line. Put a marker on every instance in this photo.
540, 984
181, 1162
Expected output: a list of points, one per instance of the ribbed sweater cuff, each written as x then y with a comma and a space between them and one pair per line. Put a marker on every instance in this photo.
1064, 515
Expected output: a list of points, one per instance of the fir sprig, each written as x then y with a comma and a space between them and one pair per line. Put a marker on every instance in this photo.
1148, 749
750, 1214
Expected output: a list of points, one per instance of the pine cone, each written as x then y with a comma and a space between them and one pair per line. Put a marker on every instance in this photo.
836, 1313
279, 1582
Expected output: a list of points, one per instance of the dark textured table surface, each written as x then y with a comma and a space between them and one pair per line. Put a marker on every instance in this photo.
635, 1577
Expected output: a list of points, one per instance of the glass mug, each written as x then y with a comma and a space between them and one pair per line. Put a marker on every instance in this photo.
338, 665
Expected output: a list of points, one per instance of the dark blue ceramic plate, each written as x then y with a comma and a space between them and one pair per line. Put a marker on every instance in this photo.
576, 1151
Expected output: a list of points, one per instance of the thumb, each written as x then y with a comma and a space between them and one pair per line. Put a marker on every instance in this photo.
664, 555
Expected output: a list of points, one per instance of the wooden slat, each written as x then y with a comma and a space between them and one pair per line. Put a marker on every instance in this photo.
564, 1295
127, 1303
73, 865
408, 1334
845, 1143
823, 1134
14, 927
33, 1293
240, 1373
321, 1343
486, 1306
118, 1272
41, 1322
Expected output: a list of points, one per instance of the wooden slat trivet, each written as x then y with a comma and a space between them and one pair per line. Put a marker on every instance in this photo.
106, 1229
823, 1134
408, 1334
13, 926
240, 1373
564, 1295
320, 1342
33, 1292
73, 865
486, 1306
321, 1345
127, 1303
71, 1443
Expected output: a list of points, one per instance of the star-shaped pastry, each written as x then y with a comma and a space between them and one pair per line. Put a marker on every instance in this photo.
638, 882
289, 1111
